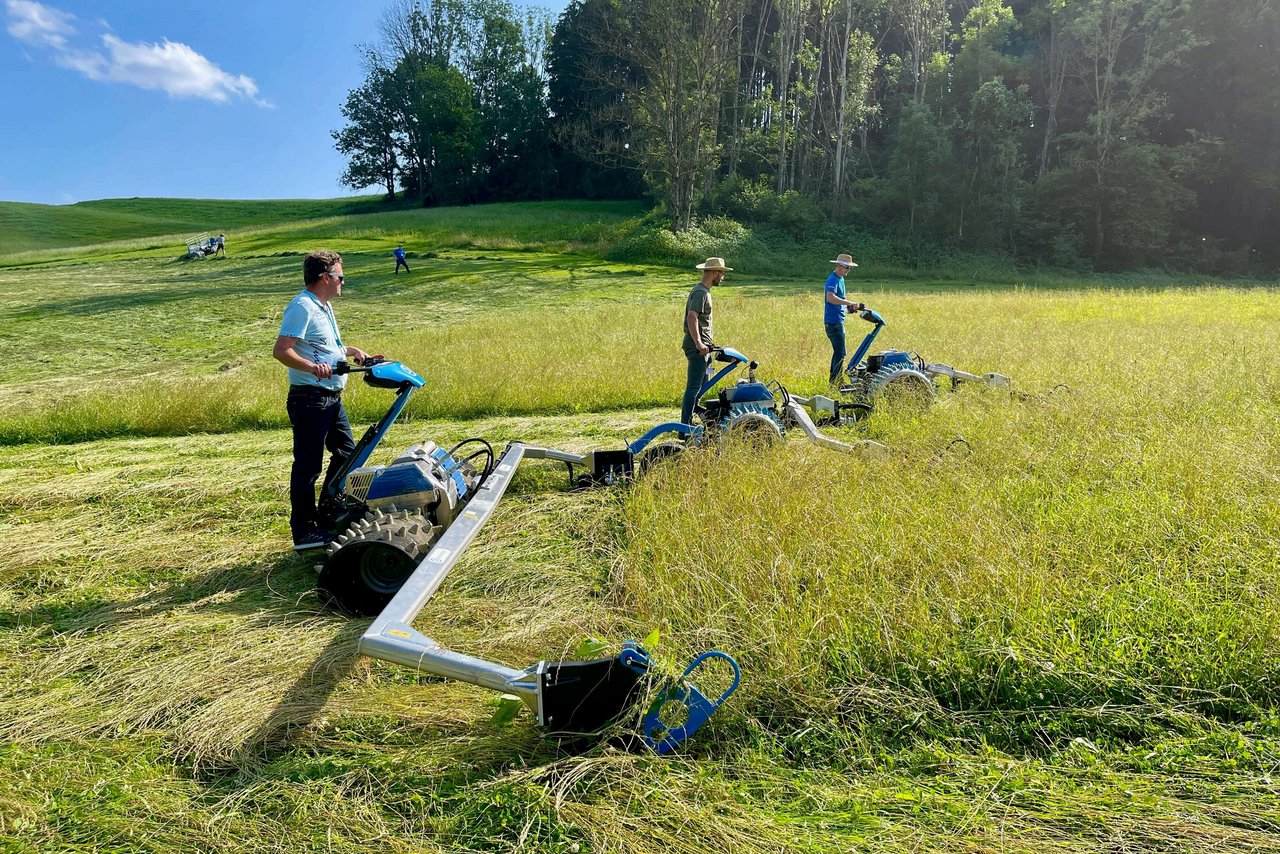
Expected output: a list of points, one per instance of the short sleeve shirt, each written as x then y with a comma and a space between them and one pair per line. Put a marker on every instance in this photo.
399, 253
834, 313
699, 301
313, 324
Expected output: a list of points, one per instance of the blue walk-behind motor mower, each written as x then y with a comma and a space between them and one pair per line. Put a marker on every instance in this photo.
902, 379
755, 411
405, 525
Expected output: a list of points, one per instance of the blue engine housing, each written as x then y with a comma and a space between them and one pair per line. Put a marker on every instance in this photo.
889, 359
409, 478
747, 393
397, 480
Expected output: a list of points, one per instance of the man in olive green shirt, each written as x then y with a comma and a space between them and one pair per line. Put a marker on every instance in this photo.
697, 332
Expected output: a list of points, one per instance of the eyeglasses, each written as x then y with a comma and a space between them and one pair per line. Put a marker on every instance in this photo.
340, 278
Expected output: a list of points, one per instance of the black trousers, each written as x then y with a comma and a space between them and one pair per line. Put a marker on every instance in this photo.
405, 264
319, 421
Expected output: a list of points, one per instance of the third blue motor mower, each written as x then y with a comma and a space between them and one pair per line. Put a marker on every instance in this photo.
405, 525
902, 378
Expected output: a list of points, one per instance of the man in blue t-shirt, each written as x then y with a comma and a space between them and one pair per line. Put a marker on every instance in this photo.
400, 262
310, 346
834, 311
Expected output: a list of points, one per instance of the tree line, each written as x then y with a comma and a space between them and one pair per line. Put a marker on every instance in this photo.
1091, 133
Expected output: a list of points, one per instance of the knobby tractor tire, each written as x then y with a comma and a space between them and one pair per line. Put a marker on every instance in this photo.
656, 454
902, 389
757, 427
371, 560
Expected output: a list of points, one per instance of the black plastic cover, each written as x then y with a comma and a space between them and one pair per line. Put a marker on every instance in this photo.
587, 696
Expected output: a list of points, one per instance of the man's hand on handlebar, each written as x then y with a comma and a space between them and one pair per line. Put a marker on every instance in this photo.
360, 357
322, 370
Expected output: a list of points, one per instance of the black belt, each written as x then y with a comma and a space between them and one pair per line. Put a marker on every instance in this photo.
315, 389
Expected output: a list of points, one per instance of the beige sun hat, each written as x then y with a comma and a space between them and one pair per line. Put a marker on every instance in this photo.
844, 261
714, 264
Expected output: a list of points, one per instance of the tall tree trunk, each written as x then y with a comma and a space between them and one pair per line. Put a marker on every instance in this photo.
837, 185
1057, 76
791, 20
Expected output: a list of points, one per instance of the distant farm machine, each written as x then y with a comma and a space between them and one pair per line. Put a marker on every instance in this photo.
201, 245
901, 379
405, 525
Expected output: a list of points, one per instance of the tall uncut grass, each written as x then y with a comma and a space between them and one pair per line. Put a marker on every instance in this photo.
626, 355
1102, 562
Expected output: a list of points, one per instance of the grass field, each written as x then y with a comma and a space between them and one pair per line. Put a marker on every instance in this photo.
1062, 636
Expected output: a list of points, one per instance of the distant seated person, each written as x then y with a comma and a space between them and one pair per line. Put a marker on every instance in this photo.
400, 262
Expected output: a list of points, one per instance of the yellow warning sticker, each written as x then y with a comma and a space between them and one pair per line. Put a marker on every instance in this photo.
396, 633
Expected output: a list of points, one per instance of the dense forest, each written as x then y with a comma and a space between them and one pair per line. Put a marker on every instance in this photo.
1101, 134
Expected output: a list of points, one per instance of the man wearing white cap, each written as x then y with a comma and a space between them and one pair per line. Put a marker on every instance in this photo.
834, 311
697, 332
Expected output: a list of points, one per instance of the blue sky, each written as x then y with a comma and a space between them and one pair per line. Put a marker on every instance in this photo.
204, 100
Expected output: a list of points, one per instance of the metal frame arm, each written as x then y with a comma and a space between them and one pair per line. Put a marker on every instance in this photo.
861, 352
370, 440
795, 408
391, 636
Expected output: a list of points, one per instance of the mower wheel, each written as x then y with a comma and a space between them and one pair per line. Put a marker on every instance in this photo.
656, 454
902, 389
759, 428
369, 563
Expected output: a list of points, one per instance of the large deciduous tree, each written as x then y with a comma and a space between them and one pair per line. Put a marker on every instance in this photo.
685, 53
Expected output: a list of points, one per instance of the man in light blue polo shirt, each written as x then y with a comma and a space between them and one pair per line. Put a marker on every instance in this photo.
310, 345
834, 307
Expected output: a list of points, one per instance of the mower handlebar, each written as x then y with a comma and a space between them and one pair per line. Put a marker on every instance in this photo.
345, 367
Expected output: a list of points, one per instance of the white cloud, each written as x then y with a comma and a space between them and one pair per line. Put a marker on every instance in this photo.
39, 25
174, 68
171, 67
89, 63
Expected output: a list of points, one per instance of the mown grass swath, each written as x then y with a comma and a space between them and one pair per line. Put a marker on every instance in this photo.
1061, 635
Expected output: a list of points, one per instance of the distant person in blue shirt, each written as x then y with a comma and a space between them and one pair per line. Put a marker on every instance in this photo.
834, 312
400, 262
310, 346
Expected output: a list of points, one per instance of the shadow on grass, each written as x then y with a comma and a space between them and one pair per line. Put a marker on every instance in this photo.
276, 594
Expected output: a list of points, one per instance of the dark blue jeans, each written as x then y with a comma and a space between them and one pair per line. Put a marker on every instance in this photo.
401, 263
835, 332
692, 385
319, 421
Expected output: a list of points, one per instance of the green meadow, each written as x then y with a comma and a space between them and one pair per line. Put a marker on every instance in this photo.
1061, 634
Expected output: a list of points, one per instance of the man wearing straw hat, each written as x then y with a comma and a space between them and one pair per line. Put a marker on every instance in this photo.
697, 332
834, 311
